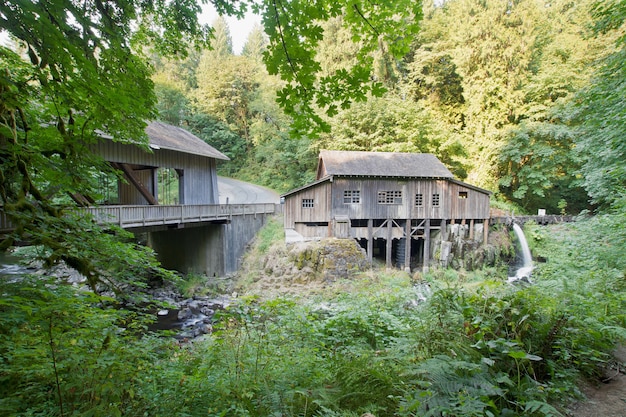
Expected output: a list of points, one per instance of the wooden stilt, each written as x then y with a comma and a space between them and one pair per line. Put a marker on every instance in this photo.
444, 230
471, 231
426, 245
407, 246
370, 240
485, 231
389, 243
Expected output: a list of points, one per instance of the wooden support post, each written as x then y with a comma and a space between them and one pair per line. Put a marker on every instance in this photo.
426, 245
370, 240
389, 243
407, 246
485, 231
444, 230
471, 231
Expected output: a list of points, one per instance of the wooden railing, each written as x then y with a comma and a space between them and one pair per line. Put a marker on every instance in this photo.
145, 216
542, 220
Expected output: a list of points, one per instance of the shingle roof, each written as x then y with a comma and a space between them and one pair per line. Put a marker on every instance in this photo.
164, 136
381, 164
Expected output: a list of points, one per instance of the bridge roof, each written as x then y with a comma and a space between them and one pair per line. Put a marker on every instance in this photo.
164, 136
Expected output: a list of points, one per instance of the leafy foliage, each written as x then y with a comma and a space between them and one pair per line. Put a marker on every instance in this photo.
64, 352
474, 346
603, 112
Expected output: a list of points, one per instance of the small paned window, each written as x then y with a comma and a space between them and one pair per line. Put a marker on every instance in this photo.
351, 196
419, 200
462, 194
307, 203
436, 200
390, 197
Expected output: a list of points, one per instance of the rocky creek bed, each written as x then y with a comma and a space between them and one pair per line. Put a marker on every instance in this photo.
188, 318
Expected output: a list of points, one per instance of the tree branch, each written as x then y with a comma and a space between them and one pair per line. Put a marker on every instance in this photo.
282, 41
365, 19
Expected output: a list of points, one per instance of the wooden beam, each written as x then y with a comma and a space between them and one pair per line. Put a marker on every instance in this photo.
389, 243
407, 246
370, 240
426, 246
444, 230
485, 231
138, 185
79, 199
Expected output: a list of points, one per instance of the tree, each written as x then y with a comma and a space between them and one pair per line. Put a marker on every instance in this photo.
222, 42
539, 165
391, 124
256, 43
80, 76
602, 111
295, 32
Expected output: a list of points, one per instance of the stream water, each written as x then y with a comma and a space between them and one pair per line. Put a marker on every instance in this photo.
188, 318
525, 269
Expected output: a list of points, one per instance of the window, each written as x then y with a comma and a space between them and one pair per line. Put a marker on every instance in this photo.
436, 200
419, 200
390, 197
463, 194
307, 203
351, 197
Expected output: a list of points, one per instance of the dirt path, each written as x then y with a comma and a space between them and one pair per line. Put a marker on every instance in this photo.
606, 399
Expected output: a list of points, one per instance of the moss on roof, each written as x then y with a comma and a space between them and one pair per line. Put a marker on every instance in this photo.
381, 164
164, 136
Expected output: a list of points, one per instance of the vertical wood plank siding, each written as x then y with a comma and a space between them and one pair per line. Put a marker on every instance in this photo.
320, 212
200, 178
456, 201
474, 206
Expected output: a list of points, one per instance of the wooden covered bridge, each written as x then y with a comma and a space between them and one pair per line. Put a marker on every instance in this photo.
398, 206
170, 193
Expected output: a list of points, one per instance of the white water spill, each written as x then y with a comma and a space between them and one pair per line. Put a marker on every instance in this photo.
524, 271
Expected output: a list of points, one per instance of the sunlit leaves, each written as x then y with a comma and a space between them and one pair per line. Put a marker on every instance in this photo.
295, 33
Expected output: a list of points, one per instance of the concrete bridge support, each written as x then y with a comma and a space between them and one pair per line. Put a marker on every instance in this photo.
214, 250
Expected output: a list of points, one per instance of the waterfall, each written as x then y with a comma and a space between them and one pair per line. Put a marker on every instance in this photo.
523, 272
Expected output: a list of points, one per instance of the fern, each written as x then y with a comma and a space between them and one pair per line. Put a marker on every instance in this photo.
447, 386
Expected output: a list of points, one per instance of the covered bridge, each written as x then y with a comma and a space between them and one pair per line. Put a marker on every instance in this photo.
185, 163
396, 205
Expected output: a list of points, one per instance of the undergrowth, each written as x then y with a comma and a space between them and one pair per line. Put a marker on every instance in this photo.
453, 343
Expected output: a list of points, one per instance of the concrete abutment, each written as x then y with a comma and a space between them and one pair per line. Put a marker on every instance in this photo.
214, 250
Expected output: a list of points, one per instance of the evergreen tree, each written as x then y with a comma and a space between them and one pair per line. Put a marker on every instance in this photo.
256, 43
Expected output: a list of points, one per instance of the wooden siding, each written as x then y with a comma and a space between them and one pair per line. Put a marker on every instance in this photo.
474, 206
456, 201
200, 177
467, 203
320, 212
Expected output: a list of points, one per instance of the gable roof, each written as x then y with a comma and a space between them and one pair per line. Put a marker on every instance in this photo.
380, 164
164, 136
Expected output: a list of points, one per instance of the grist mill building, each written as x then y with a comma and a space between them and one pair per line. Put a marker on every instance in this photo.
402, 207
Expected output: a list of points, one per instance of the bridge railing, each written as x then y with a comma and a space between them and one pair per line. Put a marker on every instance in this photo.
144, 216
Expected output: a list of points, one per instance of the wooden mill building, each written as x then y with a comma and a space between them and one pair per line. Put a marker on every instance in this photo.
396, 205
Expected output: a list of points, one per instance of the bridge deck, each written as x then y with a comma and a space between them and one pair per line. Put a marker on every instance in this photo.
146, 216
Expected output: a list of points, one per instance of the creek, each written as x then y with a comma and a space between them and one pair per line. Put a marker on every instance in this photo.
186, 317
